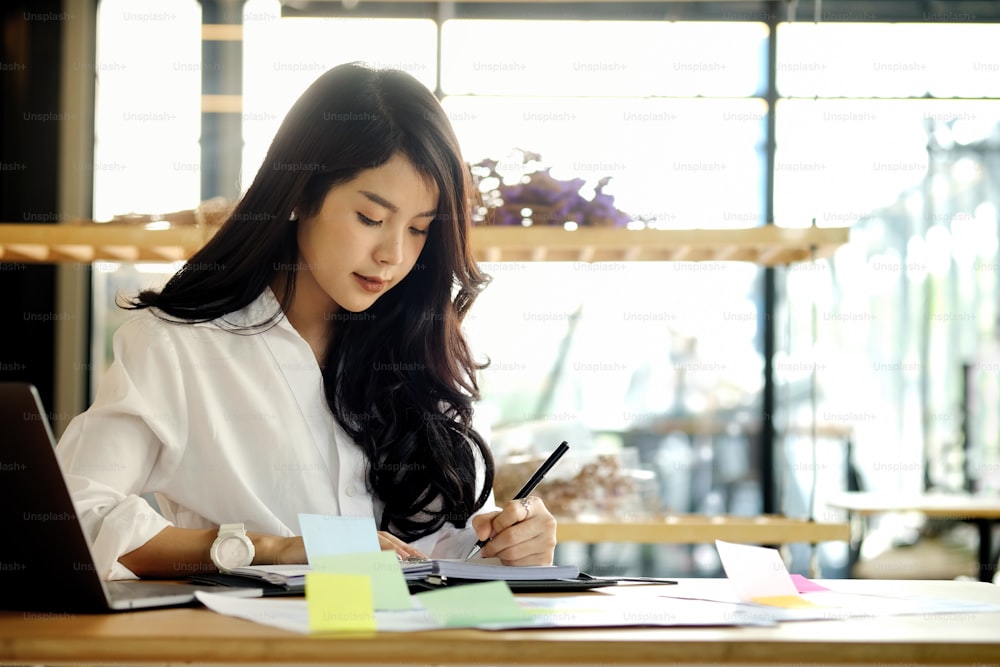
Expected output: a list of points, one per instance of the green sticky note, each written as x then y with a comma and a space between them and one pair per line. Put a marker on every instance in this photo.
339, 602
473, 604
389, 591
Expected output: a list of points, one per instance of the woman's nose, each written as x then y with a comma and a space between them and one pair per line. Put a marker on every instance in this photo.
390, 249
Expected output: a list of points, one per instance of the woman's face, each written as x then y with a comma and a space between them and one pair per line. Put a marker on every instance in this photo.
366, 237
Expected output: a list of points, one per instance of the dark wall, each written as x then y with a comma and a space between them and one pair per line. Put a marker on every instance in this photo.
30, 53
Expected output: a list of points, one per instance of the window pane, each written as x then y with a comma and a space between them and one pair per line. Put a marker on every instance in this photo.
888, 60
148, 107
682, 163
601, 58
967, 59
689, 346
837, 160
912, 297
147, 123
282, 56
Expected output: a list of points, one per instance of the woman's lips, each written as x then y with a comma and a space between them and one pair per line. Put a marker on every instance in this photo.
373, 285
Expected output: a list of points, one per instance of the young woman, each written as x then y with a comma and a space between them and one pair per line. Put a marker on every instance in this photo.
308, 359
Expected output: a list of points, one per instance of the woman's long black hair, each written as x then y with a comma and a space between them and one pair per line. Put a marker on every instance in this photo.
400, 379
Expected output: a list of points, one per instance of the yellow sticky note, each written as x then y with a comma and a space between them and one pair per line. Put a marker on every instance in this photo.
470, 605
339, 602
389, 590
785, 601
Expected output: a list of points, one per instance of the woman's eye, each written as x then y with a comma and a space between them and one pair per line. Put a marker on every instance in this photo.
368, 221
418, 232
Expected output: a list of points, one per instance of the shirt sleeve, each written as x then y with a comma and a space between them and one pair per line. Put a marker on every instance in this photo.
112, 453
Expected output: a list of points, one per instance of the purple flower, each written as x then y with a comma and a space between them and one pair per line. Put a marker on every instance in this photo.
541, 199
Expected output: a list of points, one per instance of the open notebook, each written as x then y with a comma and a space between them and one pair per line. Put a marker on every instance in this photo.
293, 577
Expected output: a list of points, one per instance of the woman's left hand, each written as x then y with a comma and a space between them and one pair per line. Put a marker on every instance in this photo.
522, 533
389, 542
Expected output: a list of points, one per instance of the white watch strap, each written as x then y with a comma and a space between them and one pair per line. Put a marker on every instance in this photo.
227, 529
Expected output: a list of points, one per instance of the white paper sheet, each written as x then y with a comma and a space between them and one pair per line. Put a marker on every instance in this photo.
293, 614
545, 612
830, 605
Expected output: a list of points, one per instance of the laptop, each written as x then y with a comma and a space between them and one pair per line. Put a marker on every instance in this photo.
45, 559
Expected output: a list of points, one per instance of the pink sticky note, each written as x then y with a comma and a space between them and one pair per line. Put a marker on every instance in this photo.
803, 585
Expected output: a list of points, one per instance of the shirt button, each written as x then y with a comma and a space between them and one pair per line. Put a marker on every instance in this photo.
351, 490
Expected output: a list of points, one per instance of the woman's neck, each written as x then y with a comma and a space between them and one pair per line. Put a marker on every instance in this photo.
310, 312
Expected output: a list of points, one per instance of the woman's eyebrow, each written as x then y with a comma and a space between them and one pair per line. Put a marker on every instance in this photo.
385, 203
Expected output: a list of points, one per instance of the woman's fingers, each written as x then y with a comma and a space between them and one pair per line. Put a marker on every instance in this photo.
524, 533
482, 524
389, 542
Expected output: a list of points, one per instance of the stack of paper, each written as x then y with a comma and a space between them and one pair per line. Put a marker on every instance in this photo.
293, 577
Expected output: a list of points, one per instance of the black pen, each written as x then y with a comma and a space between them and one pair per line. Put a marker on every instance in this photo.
529, 486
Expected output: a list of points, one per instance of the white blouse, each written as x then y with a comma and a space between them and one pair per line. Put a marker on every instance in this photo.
220, 426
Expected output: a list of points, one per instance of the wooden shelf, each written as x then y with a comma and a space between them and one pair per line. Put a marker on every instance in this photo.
97, 242
694, 529
767, 245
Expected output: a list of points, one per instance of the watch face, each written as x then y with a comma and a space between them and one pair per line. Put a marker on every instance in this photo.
233, 552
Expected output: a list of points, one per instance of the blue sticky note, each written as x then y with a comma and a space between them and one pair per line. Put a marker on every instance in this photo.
325, 535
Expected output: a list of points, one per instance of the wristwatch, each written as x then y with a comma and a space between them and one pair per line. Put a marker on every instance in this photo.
232, 548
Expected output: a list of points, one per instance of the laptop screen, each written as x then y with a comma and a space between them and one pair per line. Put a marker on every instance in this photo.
45, 561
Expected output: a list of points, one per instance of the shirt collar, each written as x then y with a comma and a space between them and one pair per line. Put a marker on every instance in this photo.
259, 315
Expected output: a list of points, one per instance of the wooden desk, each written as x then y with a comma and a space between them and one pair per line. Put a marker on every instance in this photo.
199, 635
982, 511
695, 529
